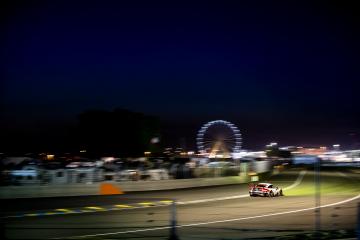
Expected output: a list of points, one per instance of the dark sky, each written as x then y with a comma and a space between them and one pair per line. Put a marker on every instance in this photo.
285, 71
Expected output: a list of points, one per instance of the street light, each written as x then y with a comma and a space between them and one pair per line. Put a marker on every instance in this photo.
336, 147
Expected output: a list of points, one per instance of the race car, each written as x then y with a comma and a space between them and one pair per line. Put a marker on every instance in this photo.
265, 190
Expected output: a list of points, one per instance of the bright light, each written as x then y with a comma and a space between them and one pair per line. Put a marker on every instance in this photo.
272, 144
155, 140
147, 153
235, 136
108, 159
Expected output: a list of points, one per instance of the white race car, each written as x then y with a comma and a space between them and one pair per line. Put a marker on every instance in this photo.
265, 190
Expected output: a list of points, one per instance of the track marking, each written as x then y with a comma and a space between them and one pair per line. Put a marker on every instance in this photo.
122, 206
64, 210
295, 184
147, 204
219, 221
342, 174
31, 214
298, 180
50, 213
95, 208
86, 210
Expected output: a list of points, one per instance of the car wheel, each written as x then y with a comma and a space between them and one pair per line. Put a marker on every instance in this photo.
281, 193
271, 194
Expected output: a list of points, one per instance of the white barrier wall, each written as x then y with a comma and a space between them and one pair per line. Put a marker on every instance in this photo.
128, 186
261, 166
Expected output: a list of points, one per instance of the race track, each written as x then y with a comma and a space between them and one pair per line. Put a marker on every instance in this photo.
222, 212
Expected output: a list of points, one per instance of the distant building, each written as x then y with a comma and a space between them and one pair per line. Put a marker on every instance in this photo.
312, 151
305, 159
33, 174
27, 175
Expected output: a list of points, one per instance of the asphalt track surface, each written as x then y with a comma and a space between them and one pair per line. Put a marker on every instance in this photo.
222, 212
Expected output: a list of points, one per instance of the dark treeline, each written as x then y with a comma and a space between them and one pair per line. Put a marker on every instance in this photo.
119, 132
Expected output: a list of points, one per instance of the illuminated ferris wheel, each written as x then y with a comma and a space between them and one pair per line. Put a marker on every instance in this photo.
219, 136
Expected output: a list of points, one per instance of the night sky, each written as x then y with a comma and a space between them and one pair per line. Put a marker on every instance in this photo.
285, 71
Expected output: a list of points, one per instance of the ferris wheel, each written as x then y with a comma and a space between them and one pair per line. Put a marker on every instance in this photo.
219, 135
